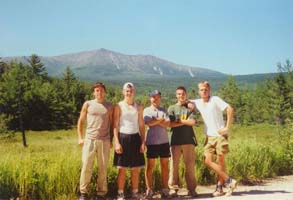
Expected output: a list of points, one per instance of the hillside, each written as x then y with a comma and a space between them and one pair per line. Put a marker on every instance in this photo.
145, 70
106, 64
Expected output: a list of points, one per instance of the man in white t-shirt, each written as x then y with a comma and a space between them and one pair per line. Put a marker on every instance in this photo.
211, 109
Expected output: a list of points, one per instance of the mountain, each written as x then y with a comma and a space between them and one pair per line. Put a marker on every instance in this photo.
110, 65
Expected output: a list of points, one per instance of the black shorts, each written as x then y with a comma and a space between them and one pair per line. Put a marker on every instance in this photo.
131, 156
159, 150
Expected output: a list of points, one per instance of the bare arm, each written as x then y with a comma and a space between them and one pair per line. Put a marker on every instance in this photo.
230, 113
80, 122
141, 127
188, 122
111, 113
175, 124
118, 147
165, 123
182, 122
154, 122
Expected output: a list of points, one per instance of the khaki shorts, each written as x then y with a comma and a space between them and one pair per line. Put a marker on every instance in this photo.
216, 145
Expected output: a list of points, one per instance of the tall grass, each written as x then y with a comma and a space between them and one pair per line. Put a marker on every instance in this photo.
49, 168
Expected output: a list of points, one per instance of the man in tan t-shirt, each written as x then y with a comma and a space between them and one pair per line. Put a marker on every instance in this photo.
96, 142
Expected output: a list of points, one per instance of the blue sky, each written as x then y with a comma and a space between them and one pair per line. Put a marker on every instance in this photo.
230, 36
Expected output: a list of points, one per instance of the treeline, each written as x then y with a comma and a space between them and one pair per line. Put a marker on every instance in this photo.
32, 100
268, 102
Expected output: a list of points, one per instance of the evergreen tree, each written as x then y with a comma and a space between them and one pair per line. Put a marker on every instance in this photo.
262, 103
245, 107
4, 67
14, 96
284, 92
37, 66
73, 95
230, 92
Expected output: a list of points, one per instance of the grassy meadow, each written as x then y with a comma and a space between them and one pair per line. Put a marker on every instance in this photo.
49, 167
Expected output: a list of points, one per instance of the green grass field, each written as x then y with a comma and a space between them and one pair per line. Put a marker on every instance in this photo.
49, 167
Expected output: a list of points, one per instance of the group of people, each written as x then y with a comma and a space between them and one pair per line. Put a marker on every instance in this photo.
125, 123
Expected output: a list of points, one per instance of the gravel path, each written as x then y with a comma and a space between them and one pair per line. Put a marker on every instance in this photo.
280, 188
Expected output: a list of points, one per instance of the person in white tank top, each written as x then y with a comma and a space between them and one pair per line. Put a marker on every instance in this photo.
129, 138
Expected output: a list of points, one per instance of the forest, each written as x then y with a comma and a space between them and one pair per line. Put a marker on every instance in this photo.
32, 100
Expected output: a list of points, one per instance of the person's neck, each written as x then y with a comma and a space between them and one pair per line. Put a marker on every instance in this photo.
129, 101
181, 102
206, 99
100, 100
154, 106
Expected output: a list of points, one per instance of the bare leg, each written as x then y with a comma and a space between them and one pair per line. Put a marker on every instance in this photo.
149, 173
121, 178
134, 178
164, 171
215, 167
221, 163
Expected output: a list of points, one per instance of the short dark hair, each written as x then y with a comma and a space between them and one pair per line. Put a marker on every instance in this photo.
181, 88
99, 84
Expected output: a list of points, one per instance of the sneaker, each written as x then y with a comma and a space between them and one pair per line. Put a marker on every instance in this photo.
149, 194
120, 196
173, 193
136, 195
192, 194
173, 190
83, 196
231, 185
100, 197
219, 191
165, 194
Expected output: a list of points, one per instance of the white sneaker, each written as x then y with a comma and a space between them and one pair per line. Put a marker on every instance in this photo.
218, 192
231, 187
165, 194
149, 194
173, 193
136, 195
120, 196
173, 190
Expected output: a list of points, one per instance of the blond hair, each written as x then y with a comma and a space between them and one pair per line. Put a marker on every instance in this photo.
204, 83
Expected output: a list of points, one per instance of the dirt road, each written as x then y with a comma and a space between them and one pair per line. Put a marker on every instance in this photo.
280, 188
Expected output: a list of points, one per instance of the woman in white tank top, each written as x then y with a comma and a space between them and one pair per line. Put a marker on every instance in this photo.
129, 137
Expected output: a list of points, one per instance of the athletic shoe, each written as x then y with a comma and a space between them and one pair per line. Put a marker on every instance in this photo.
83, 196
173, 190
192, 194
120, 196
219, 191
165, 194
149, 194
136, 195
231, 185
100, 197
173, 193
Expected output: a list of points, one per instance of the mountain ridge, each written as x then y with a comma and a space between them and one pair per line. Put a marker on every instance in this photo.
104, 63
